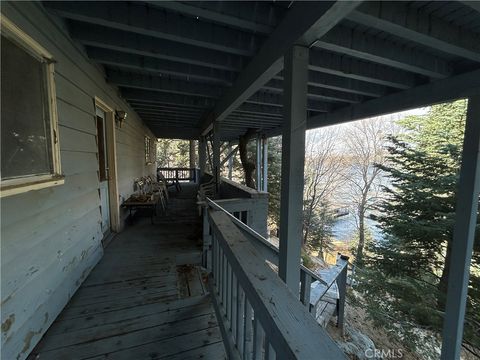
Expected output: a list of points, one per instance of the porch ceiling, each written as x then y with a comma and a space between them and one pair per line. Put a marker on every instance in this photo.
181, 64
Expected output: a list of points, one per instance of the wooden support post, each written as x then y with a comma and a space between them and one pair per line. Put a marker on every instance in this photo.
207, 241
342, 291
202, 154
293, 155
258, 163
463, 235
265, 165
216, 157
191, 146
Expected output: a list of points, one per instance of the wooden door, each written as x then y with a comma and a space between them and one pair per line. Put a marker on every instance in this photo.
103, 170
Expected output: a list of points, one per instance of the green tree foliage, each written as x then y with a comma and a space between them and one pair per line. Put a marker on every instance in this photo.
173, 153
404, 283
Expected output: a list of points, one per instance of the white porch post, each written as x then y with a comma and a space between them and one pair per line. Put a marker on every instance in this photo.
216, 155
202, 154
293, 154
258, 164
463, 235
265, 164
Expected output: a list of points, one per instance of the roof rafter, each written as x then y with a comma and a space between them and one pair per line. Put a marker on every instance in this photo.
335, 64
399, 19
160, 66
210, 74
263, 19
101, 37
436, 92
143, 19
305, 21
358, 44
317, 93
166, 99
163, 84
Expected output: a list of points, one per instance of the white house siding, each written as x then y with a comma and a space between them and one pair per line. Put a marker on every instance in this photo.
51, 238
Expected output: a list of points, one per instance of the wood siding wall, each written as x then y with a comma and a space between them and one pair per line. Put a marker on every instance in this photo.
51, 238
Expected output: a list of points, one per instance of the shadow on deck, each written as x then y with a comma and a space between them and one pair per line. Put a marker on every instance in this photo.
144, 299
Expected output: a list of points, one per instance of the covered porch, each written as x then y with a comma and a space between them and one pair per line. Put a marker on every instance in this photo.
203, 281
146, 298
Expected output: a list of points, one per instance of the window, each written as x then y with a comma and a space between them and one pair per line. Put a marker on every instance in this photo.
30, 156
148, 150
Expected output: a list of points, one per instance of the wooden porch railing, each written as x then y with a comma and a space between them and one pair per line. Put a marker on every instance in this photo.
261, 317
179, 173
336, 274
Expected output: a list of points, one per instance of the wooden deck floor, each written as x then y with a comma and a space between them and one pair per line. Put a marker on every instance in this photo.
141, 301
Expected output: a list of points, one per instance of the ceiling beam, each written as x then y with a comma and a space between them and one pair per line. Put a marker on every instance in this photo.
259, 109
163, 114
317, 93
161, 108
335, 64
174, 100
399, 19
358, 44
457, 87
332, 82
305, 21
160, 66
166, 98
187, 71
163, 84
276, 100
475, 5
182, 133
106, 38
139, 18
255, 16
150, 104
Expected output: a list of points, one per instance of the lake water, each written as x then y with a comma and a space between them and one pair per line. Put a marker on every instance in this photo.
345, 227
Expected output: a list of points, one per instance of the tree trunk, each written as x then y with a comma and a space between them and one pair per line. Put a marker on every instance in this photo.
248, 166
443, 284
361, 235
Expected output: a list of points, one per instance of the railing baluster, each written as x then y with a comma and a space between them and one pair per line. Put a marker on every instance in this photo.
217, 266
234, 306
220, 276
240, 318
214, 258
269, 351
224, 283
229, 293
248, 347
258, 338
305, 286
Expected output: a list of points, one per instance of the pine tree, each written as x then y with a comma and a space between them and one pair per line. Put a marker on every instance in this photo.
408, 271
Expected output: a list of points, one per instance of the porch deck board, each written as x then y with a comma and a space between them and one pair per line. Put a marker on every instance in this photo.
131, 305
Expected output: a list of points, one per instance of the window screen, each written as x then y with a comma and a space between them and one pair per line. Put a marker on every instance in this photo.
25, 137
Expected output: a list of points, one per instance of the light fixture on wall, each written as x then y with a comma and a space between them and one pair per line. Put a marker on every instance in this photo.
120, 116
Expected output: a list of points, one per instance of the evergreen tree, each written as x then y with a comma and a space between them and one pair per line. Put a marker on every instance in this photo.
407, 273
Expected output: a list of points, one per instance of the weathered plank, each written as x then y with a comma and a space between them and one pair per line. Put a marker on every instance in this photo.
123, 326
65, 324
167, 348
109, 345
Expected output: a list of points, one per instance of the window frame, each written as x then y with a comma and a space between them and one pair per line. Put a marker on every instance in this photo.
34, 182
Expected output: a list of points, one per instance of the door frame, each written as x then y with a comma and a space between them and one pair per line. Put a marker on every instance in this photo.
113, 197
